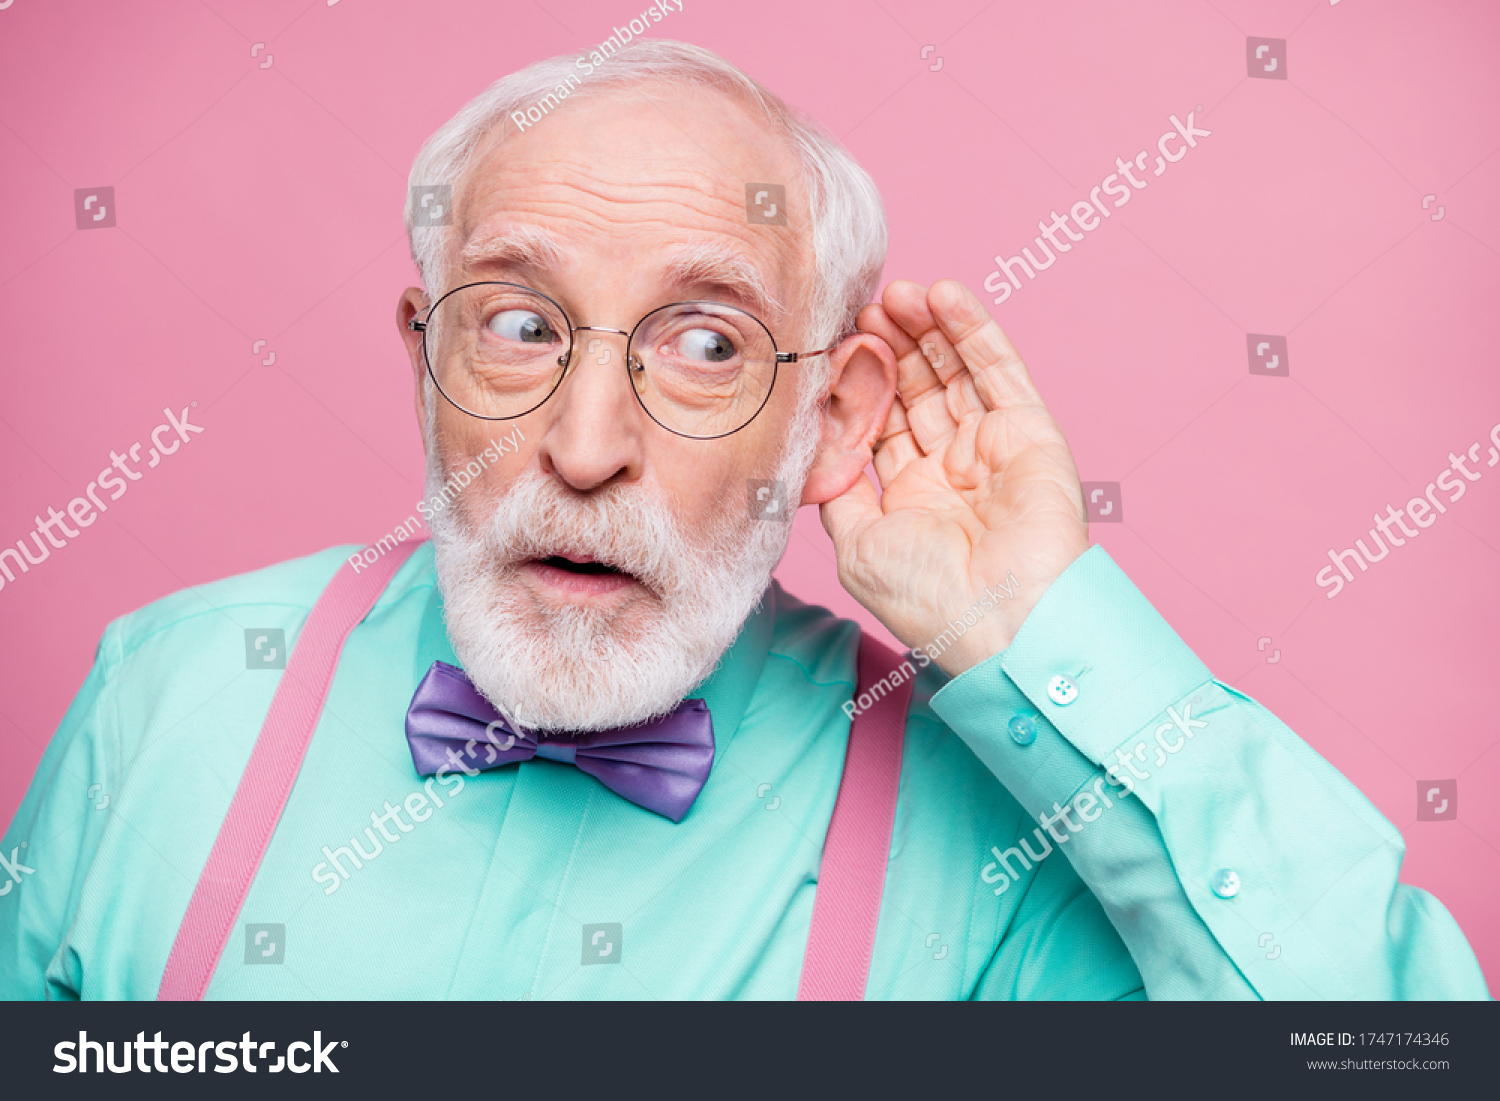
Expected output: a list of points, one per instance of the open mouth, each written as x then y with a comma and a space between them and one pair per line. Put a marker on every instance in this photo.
557, 561
580, 577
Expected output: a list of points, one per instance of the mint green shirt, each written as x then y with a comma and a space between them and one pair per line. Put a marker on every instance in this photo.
535, 881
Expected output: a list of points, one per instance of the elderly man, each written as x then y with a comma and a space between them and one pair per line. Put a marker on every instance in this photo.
582, 746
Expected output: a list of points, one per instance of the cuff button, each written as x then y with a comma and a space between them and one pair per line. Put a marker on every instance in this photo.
1022, 728
1061, 691
1225, 883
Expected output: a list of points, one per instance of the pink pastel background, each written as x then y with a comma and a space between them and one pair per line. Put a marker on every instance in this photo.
264, 203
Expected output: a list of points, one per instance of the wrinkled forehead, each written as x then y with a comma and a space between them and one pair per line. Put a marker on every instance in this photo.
636, 177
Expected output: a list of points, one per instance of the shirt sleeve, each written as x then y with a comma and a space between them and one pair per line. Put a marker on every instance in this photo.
1232, 859
54, 835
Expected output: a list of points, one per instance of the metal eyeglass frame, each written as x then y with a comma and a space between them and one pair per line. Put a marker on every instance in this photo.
566, 358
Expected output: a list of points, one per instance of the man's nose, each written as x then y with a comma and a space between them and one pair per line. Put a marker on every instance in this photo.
595, 433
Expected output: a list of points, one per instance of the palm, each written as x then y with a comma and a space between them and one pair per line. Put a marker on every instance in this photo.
977, 481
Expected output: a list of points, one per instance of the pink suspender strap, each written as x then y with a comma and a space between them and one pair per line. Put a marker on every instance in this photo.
851, 879
266, 783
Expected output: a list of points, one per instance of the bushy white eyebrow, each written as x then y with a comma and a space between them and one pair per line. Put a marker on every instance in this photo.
704, 264
711, 264
530, 247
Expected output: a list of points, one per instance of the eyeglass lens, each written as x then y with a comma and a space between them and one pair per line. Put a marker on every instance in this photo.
700, 369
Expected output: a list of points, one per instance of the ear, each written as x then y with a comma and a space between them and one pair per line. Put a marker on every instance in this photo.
861, 389
412, 302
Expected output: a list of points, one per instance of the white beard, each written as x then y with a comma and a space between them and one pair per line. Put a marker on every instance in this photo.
578, 668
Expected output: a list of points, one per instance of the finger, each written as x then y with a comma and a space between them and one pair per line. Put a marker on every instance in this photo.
996, 378
874, 319
914, 374
906, 304
1000, 377
913, 313
918, 383
896, 446
847, 514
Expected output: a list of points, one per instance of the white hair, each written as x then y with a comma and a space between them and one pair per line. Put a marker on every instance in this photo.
844, 207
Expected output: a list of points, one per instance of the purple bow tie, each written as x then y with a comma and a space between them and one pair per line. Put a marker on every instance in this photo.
661, 765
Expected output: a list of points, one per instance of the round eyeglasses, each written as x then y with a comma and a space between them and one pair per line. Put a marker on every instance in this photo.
699, 369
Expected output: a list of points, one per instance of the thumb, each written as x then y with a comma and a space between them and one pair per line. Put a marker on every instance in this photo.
846, 515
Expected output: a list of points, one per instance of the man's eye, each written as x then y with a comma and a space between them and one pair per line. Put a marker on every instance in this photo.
705, 346
525, 326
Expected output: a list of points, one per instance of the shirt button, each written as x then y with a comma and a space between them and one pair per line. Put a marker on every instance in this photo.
1225, 883
1023, 728
1062, 691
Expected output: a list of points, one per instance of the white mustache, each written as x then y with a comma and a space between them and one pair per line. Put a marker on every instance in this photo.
536, 661
627, 528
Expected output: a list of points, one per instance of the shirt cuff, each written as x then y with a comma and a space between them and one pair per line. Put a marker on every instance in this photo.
1091, 666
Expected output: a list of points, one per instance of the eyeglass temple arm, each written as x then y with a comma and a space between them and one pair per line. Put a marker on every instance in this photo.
793, 357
